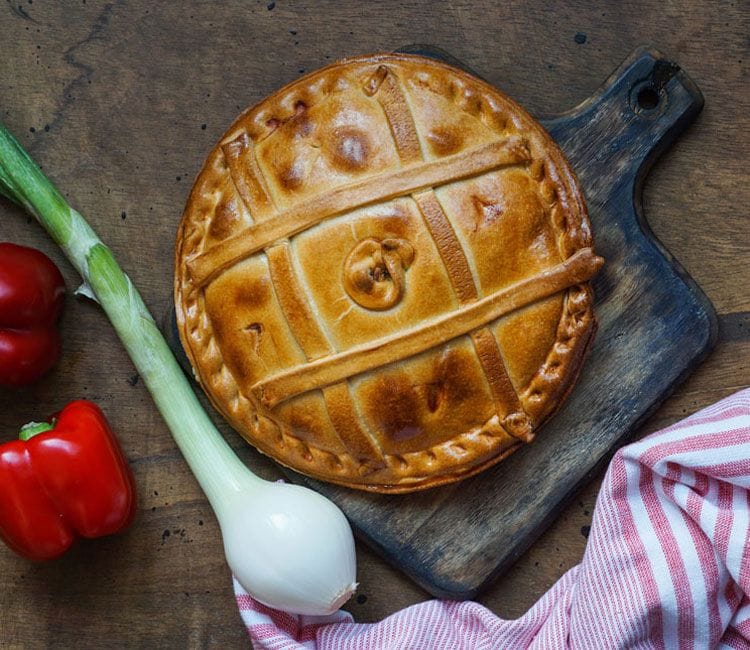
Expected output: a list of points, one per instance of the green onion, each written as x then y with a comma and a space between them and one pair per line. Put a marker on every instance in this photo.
288, 546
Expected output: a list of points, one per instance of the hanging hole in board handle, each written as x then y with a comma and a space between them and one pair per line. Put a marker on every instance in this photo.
647, 100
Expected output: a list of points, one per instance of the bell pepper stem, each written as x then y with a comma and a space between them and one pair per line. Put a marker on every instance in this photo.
31, 429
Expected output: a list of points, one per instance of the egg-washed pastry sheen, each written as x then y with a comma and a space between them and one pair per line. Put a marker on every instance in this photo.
382, 275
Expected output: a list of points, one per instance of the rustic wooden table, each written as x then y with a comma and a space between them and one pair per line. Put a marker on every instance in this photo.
120, 101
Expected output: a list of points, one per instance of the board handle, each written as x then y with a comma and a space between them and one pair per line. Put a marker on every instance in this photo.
620, 130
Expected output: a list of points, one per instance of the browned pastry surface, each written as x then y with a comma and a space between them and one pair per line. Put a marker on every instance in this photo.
382, 275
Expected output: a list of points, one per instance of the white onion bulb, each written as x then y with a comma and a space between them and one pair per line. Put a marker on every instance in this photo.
289, 547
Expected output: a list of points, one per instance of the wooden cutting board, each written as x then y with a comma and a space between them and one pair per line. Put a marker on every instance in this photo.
655, 326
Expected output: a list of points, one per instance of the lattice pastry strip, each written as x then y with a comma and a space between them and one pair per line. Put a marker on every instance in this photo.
387, 88
248, 178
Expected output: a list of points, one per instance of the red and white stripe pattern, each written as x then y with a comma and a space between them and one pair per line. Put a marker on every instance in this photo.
667, 563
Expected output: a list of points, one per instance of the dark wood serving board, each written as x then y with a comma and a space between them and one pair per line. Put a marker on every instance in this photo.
655, 326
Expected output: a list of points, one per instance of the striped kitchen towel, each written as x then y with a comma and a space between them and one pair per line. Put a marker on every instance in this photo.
667, 563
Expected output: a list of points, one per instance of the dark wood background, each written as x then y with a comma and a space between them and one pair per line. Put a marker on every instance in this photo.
120, 101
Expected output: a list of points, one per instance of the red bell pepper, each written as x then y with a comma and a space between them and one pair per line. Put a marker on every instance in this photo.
32, 292
61, 480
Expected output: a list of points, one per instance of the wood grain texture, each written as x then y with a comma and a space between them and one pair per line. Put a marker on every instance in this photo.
125, 89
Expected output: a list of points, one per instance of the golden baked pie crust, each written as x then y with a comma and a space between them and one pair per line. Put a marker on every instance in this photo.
432, 166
